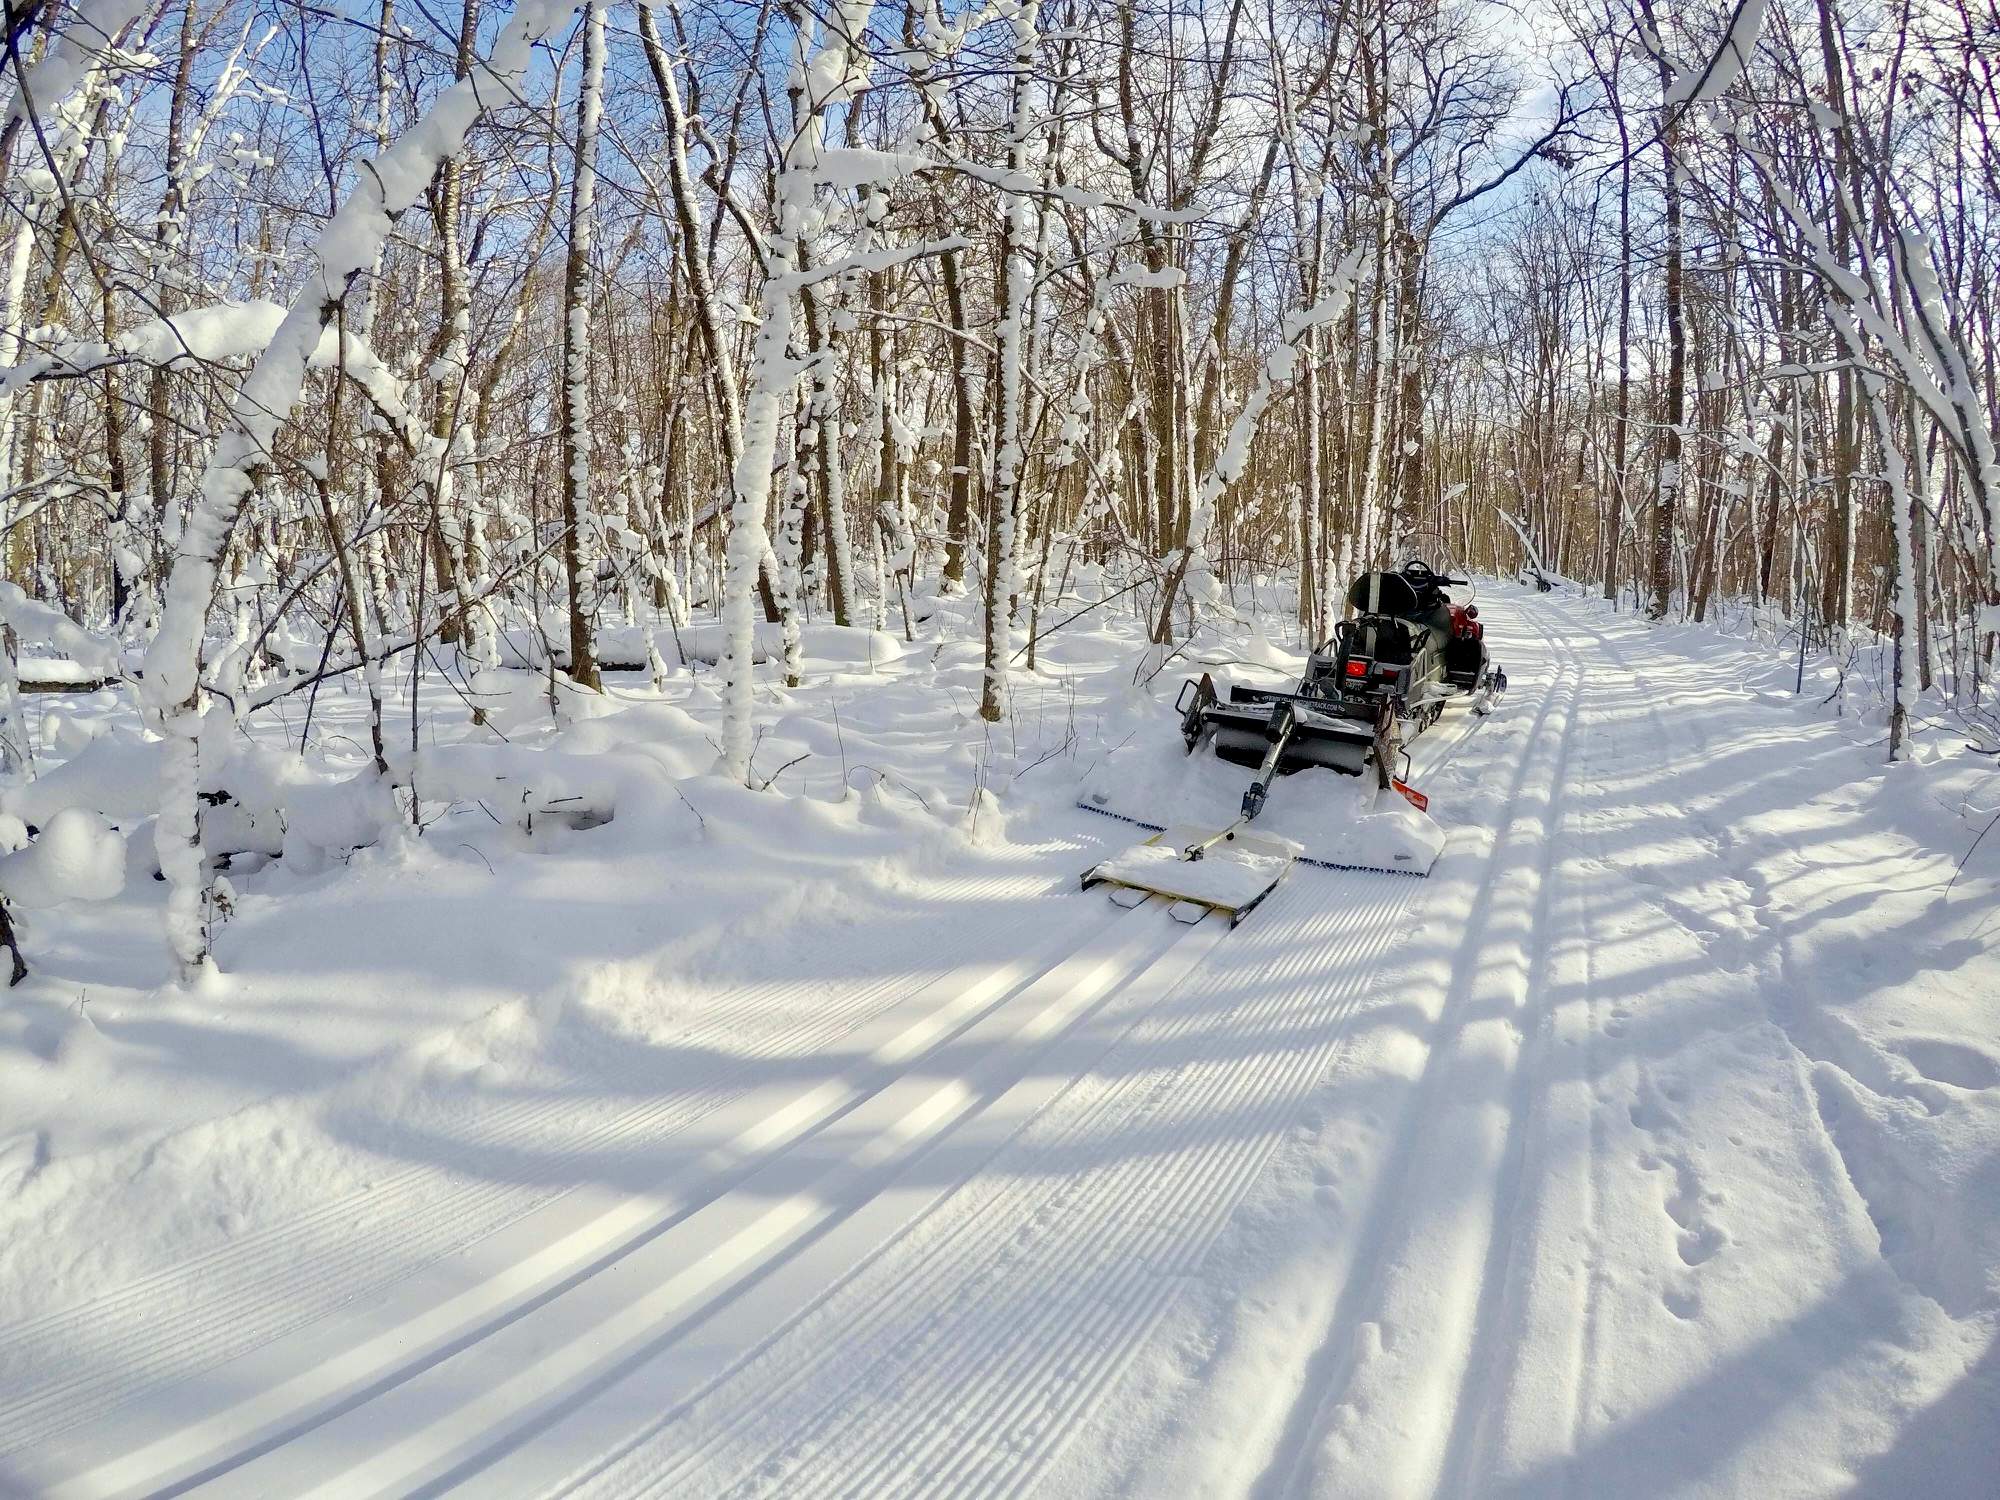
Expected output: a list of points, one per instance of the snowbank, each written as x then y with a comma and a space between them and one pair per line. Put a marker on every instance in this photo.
117, 774
78, 857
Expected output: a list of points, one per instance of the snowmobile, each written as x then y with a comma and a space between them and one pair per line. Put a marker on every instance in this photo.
1383, 678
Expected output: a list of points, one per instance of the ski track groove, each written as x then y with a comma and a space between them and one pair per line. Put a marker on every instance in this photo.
1388, 1220
1502, 1305
1118, 1271
238, 1297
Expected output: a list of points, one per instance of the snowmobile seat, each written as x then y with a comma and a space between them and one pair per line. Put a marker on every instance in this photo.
1394, 595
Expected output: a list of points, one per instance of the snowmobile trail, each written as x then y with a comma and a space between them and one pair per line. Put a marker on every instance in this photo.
1424, 1297
645, 1317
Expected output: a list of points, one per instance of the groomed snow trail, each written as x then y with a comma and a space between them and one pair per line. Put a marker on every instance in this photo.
392, 1326
287, 1275
1031, 1284
919, 1273
1545, 1176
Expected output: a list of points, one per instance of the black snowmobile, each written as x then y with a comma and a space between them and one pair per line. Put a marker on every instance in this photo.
1383, 679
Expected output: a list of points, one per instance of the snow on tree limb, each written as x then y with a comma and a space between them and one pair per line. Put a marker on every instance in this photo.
1725, 66
210, 335
96, 29
227, 330
31, 619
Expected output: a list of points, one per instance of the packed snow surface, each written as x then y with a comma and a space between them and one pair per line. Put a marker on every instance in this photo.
630, 1132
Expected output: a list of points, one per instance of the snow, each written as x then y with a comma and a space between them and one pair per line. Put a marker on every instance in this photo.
86, 44
91, 656
851, 167
632, 1131
78, 857
1720, 73
703, 641
116, 772
1137, 276
226, 330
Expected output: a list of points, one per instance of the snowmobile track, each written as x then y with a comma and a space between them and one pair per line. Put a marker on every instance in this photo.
1462, 1146
876, 1235
1497, 1333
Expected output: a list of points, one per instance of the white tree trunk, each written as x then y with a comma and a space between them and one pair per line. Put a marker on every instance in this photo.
1013, 336
580, 524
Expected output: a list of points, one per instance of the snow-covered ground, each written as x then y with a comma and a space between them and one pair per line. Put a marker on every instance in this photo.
833, 1142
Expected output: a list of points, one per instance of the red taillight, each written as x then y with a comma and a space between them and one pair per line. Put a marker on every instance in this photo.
1357, 668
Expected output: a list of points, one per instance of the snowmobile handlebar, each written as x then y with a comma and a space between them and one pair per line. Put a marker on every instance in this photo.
1421, 573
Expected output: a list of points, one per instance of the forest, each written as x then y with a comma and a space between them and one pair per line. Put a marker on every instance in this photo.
335, 343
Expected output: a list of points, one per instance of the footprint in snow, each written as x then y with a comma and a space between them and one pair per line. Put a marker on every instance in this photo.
1698, 1238
1952, 1063
1683, 1302
1649, 1114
